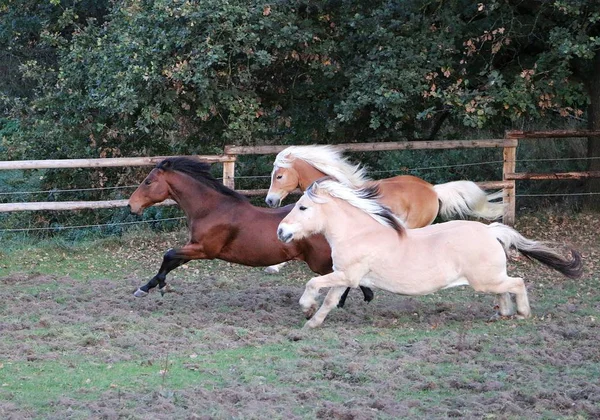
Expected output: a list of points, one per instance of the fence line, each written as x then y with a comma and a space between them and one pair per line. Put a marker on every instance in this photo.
102, 162
383, 146
92, 226
508, 145
388, 171
68, 191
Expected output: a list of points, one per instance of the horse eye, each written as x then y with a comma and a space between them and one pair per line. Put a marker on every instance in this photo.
148, 182
301, 208
279, 176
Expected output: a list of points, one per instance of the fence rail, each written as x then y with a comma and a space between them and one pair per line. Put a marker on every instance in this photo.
101, 162
508, 144
383, 146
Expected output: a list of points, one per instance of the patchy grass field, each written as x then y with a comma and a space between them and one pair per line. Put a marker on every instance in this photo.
228, 343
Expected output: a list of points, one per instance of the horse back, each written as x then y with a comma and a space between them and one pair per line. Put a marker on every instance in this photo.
248, 236
410, 198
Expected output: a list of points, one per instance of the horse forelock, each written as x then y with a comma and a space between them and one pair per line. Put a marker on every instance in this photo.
200, 171
326, 159
364, 199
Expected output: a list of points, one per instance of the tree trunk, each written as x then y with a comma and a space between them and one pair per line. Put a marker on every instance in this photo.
592, 202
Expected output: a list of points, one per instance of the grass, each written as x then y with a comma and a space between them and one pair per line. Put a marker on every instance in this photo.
229, 343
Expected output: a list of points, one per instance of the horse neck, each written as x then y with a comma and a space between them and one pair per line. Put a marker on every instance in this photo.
194, 198
307, 174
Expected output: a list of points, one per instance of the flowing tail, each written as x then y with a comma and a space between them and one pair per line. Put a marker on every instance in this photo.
465, 198
510, 238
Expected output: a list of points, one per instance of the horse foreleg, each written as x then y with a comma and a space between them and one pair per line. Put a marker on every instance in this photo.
330, 302
308, 300
171, 260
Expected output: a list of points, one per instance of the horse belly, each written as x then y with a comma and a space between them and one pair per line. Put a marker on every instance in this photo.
405, 278
455, 283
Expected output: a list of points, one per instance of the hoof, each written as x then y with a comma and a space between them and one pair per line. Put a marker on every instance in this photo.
271, 270
494, 318
308, 314
368, 294
140, 293
499, 317
310, 325
165, 289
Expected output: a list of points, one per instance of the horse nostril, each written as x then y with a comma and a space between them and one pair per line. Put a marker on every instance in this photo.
279, 233
131, 211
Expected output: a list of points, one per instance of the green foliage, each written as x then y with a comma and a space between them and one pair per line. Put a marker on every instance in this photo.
158, 77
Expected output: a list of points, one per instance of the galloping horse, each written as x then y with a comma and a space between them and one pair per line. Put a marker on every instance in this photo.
414, 200
370, 247
222, 223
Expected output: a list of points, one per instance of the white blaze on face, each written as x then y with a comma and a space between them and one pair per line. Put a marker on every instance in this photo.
273, 199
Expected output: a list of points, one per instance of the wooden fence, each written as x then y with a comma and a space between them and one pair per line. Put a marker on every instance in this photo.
509, 144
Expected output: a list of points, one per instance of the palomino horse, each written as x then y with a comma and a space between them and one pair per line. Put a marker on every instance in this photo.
222, 223
370, 247
415, 201
412, 199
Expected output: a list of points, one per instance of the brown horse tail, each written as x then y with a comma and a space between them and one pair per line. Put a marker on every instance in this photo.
509, 238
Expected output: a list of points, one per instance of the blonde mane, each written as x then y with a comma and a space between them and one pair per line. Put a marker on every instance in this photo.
326, 159
364, 199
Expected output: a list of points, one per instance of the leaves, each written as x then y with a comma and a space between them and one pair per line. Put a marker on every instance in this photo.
176, 77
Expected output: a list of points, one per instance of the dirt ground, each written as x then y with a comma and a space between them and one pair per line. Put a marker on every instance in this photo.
228, 343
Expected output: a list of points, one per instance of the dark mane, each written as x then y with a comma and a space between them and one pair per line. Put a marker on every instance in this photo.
368, 193
200, 171
371, 192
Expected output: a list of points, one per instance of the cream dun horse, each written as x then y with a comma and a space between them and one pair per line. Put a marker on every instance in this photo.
415, 201
370, 247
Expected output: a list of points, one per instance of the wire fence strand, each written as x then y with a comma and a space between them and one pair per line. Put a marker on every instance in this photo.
91, 226
258, 177
68, 190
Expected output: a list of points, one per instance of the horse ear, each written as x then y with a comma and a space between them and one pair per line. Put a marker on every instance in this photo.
166, 164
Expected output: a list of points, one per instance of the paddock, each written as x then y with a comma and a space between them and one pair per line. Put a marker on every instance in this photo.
228, 341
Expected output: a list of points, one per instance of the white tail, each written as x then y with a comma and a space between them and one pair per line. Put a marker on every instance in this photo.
510, 238
465, 198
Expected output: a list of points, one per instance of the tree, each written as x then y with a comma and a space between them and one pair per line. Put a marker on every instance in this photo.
173, 76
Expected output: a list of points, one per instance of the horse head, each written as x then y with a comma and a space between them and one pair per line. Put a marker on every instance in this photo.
306, 217
152, 190
283, 181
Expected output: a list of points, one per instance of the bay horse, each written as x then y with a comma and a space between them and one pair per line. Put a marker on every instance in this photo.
222, 223
371, 247
412, 199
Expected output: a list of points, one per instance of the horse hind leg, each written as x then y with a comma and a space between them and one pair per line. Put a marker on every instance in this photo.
520, 292
516, 286
505, 304
274, 269
367, 293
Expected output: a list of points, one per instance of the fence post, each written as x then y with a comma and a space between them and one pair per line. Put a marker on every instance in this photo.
229, 172
509, 167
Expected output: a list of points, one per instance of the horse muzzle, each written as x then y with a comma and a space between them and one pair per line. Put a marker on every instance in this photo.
135, 209
273, 200
284, 235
